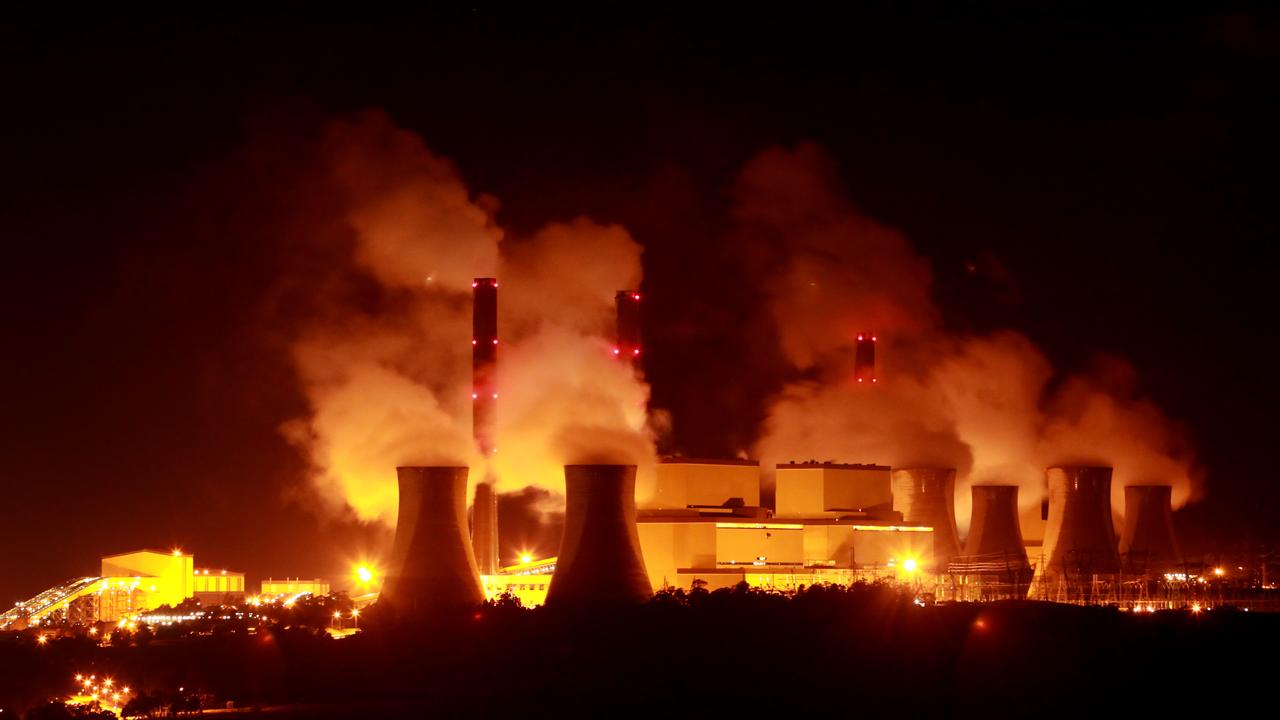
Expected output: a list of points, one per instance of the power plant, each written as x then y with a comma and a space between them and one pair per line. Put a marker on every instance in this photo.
705, 525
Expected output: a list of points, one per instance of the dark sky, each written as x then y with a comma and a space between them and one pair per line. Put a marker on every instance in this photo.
1114, 176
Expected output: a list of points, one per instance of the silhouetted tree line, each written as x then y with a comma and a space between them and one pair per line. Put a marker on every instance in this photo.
864, 650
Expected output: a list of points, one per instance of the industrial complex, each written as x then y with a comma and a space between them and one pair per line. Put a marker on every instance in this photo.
705, 525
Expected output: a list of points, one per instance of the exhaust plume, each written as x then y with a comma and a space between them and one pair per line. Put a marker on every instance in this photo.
991, 406
386, 370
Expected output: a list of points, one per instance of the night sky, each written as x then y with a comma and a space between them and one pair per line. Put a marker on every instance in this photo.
1097, 182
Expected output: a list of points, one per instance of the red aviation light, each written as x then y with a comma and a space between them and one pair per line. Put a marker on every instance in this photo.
873, 338
635, 296
473, 341
475, 284
859, 338
875, 379
495, 396
859, 379
636, 351
475, 396
617, 351
495, 341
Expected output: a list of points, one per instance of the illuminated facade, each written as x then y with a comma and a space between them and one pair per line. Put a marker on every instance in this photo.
214, 587
528, 582
835, 523
831, 490
128, 584
294, 586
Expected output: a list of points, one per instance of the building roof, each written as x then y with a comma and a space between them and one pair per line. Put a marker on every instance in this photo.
677, 460
831, 466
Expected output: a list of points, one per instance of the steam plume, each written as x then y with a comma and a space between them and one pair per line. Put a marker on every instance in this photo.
386, 372
987, 405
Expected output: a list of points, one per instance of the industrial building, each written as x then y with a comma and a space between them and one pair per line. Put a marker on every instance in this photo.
129, 584
292, 587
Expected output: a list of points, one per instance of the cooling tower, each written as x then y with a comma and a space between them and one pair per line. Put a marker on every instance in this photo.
628, 345
995, 543
1079, 539
432, 568
1148, 545
484, 529
927, 495
599, 561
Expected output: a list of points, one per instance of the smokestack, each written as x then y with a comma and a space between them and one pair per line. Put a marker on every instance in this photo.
484, 529
1148, 545
927, 495
432, 567
599, 561
994, 545
1079, 539
484, 401
864, 358
628, 344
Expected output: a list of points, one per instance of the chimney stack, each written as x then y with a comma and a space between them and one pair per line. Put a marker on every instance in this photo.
432, 566
599, 561
484, 401
628, 345
864, 359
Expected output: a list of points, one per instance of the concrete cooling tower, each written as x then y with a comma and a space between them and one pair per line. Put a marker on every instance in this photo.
599, 561
927, 495
1079, 539
432, 566
994, 545
1148, 545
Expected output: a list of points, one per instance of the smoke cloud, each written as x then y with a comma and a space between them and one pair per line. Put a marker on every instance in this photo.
991, 406
386, 366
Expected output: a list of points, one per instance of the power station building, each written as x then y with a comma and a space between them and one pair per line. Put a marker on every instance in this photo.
834, 523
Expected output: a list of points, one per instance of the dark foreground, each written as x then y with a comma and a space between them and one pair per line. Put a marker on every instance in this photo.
865, 651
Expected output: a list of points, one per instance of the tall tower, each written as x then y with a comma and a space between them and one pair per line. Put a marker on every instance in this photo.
484, 401
927, 495
628, 345
599, 562
864, 359
432, 568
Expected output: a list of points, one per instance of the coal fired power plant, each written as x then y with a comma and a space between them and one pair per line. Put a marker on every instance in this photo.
705, 522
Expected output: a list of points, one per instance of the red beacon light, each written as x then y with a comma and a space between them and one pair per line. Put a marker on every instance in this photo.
617, 351
475, 284
475, 396
859, 338
636, 351
495, 341
635, 296
473, 341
